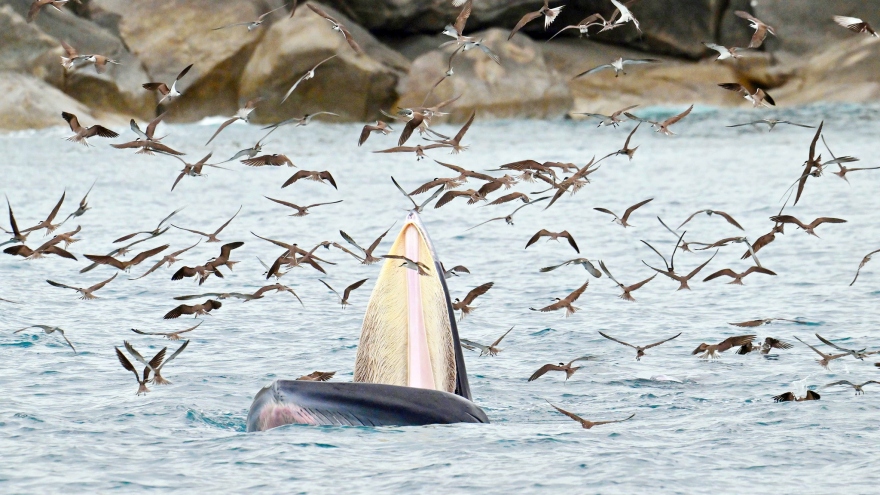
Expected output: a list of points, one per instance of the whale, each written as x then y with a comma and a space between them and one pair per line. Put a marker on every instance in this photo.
409, 369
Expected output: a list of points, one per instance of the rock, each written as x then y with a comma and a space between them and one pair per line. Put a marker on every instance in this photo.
672, 82
168, 35
522, 86
845, 72
27, 102
117, 90
674, 27
25, 48
803, 27
354, 86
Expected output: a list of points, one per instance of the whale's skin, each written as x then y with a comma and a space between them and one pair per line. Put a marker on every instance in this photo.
357, 404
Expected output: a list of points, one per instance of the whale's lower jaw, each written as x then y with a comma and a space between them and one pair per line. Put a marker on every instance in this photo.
287, 402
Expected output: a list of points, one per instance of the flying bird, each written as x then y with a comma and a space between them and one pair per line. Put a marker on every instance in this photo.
771, 123
416, 266
619, 66
323, 176
738, 277
548, 13
163, 89
712, 351
169, 335
859, 354
305, 77
243, 114
566, 302
864, 262
47, 223
584, 262
154, 364
764, 348
251, 25
126, 265
81, 133
726, 216
48, 329
486, 350
757, 99
855, 25
566, 367
74, 60
553, 236
627, 289
343, 299
38, 5
196, 309
301, 211
379, 127
86, 293
336, 26
640, 350
212, 237
760, 28
724, 52
663, 127
587, 424
317, 376
622, 221
368, 258
857, 387
808, 228
790, 397
464, 305
765, 321
826, 358
142, 383
613, 120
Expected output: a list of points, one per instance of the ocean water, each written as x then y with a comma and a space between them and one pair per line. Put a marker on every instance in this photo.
72, 422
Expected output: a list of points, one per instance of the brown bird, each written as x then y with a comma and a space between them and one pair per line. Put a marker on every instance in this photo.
49, 330
584, 26
26, 252
472, 195
855, 25
47, 223
465, 305
575, 182
212, 237
336, 26
152, 233
368, 258
126, 265
418, 149
765, 321
38, 5
17, 235
272, 160
417, 266
142, 383
790, 397
640, 350
163, 89
670, 267
627, 289
193, 169
343, 299
81, 133
584, 262
760, 28
566, 302
301, 211
511, 197
87, 293
196, 309
586, 424
485, 350
768, 344
864, 262
317, 376
626, 150
155, 365
812, 166
857, 387
244, 114
738, 277
726, 216
170, 259
757, 99
74, 60
168, 335
826, 358
663, 127
808, 228
251, 25
622, 221
553, 236
225, 252
455, 141
200, 271
66, 237
454, 271
548, 13
710, 351
312, 175
379, 126
508, 218
291, 250
613, 120
567, 368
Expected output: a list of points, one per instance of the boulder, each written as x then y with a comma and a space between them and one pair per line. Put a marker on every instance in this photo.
523, 86
844, 72
168, 35
25, 48
118, 89
351, 85
804, 27
674, 27
27, 102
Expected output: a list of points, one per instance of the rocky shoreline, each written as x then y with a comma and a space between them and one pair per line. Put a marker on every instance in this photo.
811, 59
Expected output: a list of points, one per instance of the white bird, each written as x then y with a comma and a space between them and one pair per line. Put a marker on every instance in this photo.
308, 75
855, 25
724, 53
618, 66
625, 16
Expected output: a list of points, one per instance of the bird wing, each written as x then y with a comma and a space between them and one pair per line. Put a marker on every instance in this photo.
786, 397
571, 242
828, 342
323, 204
461, 132
106, 260
570, 414
350, 39
295, 177
689, 219
697, 269
325, 175
730, 219
498, 341
471, 345
285, 203
228, 221
638, 285
72, 121
477, 292
224, 125
378, 240
616, 340
671, 120
735, 341
408, 129
535, 237
174, 355
99, 285
531, 16
594, 70
750, 323
640, 61
606, 210
720, 273
577, 293
352, 287
777, 344
57, 284
635, 207
226, 249
655, 344
147, 254
126, 363
544, 369
821, 220
631, 416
